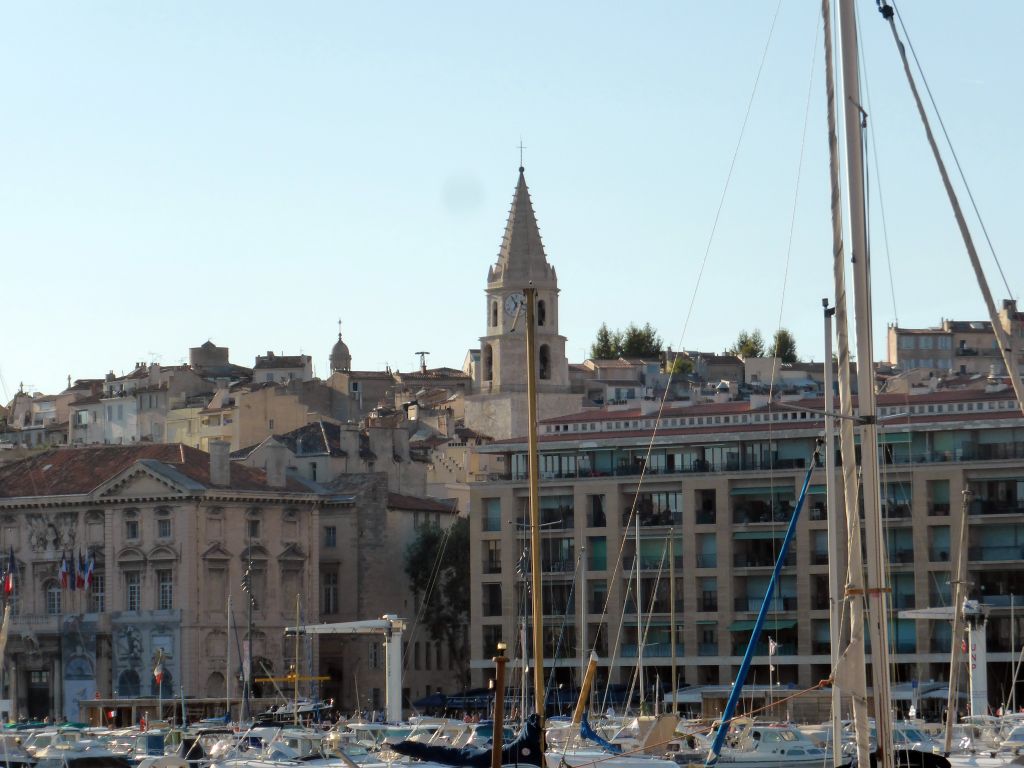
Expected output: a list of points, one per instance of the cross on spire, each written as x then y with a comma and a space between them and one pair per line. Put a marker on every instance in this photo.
521, 148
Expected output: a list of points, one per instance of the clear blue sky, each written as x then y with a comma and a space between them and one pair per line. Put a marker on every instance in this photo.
248, 172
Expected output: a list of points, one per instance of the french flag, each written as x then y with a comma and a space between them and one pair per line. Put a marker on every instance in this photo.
80, 572
9, 575
63, 572
89, 567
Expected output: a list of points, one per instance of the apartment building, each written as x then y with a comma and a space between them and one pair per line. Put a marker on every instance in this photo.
957, 346
714, 489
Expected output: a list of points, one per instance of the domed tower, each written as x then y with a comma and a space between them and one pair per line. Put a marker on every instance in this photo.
341, 358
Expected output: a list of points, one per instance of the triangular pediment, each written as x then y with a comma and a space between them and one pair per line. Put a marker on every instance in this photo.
144, 480
255, 552
292, 552
216, 552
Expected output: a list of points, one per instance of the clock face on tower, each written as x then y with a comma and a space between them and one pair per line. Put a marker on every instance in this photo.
513, 302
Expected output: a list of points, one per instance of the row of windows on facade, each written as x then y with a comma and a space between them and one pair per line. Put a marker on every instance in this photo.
699, 421
665, 508
942, 342
560, 600
96, 594
253, 530
163, 529
988, 543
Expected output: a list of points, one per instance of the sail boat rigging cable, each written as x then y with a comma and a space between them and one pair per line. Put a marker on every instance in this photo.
689, 313
1006, 347
952, 151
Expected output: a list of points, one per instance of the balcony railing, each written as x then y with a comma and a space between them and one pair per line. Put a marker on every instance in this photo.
709, 604
708, 560
940, 509
968, 452
895, 511
777, 514
707, 649
989, 507
753, 604
761, 649
663, 518
751, 560
938, 555
492, 565
898, 556
558, 566
652, 650
995, 553
705, 517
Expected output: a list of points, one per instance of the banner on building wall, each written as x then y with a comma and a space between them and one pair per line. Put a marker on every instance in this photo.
78, 652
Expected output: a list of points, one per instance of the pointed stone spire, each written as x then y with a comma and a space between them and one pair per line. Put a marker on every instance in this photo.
521, 257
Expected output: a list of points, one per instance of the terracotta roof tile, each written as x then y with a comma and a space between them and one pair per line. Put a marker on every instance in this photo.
73, 471
281, 361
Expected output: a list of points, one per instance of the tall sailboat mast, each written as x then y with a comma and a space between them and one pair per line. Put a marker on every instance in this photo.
876, 589
534, 472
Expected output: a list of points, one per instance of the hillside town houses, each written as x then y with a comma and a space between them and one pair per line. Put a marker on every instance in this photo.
172, 481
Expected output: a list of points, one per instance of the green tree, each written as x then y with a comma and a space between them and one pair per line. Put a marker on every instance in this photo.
748, 344
681, 366
640, 342
606, 345
783, 346
437, 564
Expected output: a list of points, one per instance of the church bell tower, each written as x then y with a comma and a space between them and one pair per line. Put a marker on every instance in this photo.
498, 405
521, 261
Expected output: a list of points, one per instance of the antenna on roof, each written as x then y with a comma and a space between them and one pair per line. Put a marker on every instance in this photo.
423, 361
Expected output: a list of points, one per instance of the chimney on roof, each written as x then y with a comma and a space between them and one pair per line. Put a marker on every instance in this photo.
220, 463
276, 460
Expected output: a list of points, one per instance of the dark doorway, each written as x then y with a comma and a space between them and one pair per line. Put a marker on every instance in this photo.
38, 695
